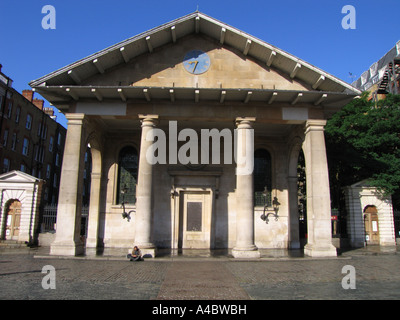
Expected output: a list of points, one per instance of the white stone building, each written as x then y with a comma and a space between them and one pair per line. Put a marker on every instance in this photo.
370, 216
185, 78
20, 197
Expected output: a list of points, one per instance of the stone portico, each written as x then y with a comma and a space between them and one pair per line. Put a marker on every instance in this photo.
144, 96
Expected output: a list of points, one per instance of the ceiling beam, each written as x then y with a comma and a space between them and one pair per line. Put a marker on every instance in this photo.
149, 46
222, 37
271, 58
121, 94
173, 34
223, 95
274, 95
72, 94
295, 70
322, 98
146, 94
247, 47
97, 94
248, 96
124, 54
318, 82
295, 100
98, 65
197, 24
74, 76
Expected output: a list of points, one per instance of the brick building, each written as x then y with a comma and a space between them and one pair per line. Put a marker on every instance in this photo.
31, 140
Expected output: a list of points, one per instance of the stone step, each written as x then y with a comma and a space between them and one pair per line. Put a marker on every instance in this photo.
12, 244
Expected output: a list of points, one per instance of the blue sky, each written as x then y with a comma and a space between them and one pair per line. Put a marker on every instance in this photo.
309, 29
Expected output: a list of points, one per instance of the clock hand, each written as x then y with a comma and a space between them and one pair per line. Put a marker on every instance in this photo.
196, 62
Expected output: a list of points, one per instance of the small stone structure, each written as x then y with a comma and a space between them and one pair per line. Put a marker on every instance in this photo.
24, 190
363, 200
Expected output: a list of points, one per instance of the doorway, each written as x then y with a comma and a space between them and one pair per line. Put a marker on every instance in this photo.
193, 226
371, 225
13, 220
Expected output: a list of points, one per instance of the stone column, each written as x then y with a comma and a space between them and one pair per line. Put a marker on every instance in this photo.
144, 192
94, 213
318, 193
245, 247
294, 236
67, 241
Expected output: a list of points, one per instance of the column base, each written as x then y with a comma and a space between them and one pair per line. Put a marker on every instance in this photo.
63, 249
246, 253
318, 251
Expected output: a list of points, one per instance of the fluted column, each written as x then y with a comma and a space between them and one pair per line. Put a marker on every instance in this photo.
245, 246
144, 191
318, 193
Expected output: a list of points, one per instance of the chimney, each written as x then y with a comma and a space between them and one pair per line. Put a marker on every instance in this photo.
28, 94
38, 103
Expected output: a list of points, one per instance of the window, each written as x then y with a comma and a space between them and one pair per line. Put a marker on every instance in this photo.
262, 178
6, 165
14, 141
23, 167
46, 194
5, 137
51, 143
17, 114
127, 175
42, 130
25, 147
39, 154
55, 182
28, 124
59, 139
48, 171
57, 160
9, 111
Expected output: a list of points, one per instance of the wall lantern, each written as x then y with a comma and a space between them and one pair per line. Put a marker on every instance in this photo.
125, 214
268, 210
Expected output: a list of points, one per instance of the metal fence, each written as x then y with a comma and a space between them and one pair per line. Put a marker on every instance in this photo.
49, 219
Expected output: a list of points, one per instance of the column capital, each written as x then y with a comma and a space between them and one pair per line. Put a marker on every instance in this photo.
244, 122
315, 125
75, 118
148, 120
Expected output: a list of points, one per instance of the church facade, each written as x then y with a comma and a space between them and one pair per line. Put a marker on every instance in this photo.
195, 129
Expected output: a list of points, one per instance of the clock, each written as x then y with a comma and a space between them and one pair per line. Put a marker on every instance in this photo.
196, 62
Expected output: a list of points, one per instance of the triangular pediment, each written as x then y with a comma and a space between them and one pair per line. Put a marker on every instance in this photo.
18, 177
366, 183
153, 60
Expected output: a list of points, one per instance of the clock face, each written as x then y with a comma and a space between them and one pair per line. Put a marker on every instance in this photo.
196, 62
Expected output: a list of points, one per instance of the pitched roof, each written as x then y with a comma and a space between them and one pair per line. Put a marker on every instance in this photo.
59, 83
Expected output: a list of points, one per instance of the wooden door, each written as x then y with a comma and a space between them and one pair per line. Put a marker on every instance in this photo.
13, 220
195, 224
371, 225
